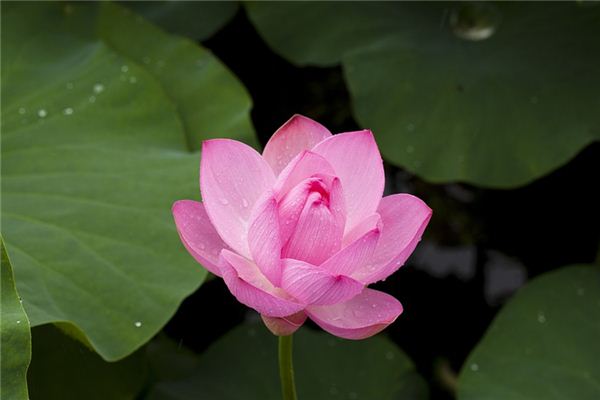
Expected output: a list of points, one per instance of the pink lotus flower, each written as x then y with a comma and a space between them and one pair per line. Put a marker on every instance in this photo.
303, 229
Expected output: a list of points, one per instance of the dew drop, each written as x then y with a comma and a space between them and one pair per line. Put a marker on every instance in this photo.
18, 321
137, 324
98, 88
42, 113
224, 201
541, 317
70, 85
146, 60
22, 110
244, 203
132, 79
92, 99
410, 127
474, 21
68, 111
202, 246
124, 68
474, 367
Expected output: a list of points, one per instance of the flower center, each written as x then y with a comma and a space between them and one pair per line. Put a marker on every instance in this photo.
318, 193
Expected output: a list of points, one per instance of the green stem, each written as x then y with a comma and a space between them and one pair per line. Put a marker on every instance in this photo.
286, 368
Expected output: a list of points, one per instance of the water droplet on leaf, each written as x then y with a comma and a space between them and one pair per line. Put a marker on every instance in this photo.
98, 88
474, 21
541, 317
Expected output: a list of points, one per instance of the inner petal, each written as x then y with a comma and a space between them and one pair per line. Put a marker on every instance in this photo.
313, 213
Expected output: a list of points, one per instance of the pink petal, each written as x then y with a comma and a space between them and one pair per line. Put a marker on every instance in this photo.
291, 206
354, 256
198, 234
232, 178
314, 285
404, 218
361, 317
264, 238
252, 288
305, 165
318, 232
284, 326
357, 162
368, 224
297, 134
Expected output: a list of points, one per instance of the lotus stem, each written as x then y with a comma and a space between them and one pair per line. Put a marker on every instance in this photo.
286, 368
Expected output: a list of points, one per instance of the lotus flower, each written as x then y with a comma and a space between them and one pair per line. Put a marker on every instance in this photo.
302, 230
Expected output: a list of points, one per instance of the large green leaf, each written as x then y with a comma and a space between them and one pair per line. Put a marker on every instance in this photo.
15, 339
195, 19
245, 362
97, 127
544, 344
498, 112
63, 369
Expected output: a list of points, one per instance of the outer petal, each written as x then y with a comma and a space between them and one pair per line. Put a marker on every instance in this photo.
404, 218
198, 234
319, 229
371, 222
297, 134
284, 326
359, 318
305, 165
252, 288
264, 238
357, 162
232, 178
314, 285
354, 256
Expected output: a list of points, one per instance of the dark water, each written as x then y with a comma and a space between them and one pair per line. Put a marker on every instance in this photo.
481, 244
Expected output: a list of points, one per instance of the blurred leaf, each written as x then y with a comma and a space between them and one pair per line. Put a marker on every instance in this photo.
63, 369
491, 94
95, 149
15, 334
544, 344
245, 362
196, 19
